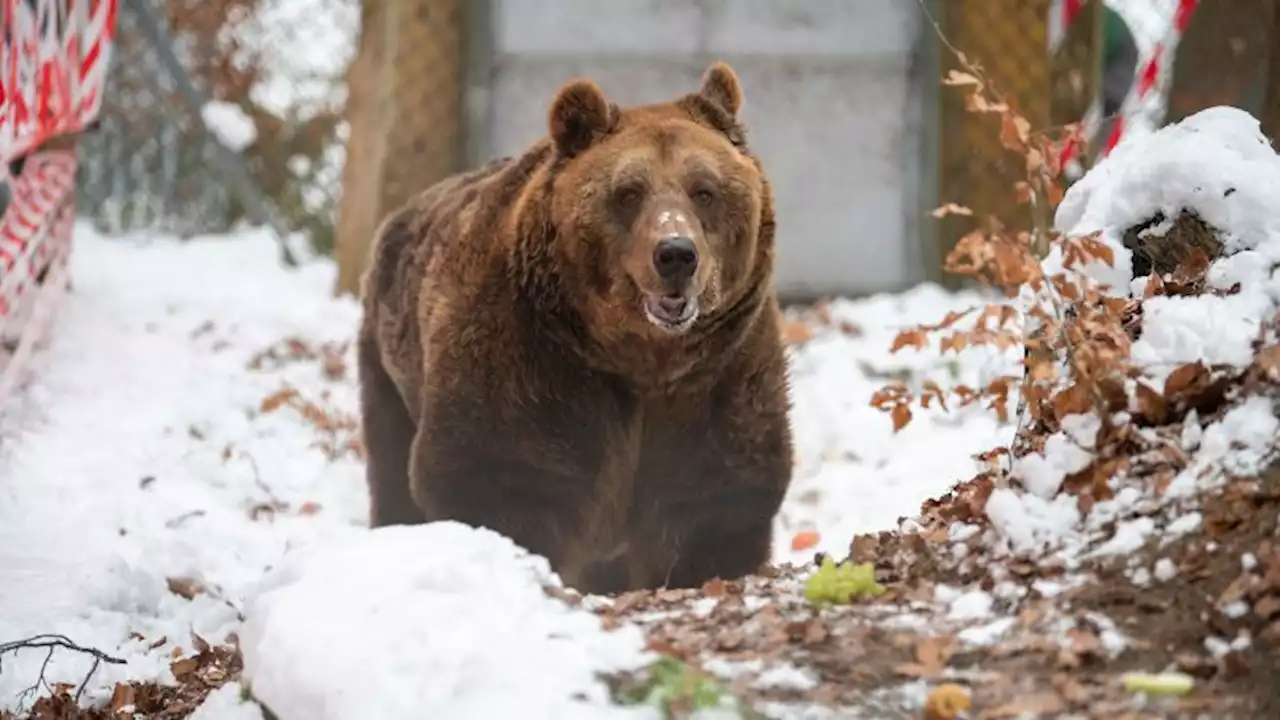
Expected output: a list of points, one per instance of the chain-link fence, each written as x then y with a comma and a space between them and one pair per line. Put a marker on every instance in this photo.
405, 112
1006, 38
1116, 66
269, 85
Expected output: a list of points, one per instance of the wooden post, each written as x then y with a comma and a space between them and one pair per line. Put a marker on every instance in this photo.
358, 204
1222, 58
408, 102
1270, 114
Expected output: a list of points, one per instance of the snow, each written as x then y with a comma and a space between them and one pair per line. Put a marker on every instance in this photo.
972, 605
137, 452
855, 474
1218, 165
788, 677
303, 49
140, 452
228, 121
227, 703
393, 589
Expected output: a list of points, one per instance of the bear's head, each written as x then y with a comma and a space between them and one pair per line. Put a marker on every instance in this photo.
660, 213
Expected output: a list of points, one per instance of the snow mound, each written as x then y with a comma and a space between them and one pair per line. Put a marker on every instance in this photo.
439, 620
1216, 163
1217, 167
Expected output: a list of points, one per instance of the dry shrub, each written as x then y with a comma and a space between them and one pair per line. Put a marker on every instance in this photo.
1077, 337
1071, 318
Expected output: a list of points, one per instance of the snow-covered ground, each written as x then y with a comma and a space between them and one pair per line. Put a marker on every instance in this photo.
193, 420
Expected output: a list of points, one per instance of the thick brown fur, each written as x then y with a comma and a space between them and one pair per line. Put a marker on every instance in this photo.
511, 379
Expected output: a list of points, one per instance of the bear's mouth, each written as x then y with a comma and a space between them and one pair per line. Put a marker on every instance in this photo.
673, 313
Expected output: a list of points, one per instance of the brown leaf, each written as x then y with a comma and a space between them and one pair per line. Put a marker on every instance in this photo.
1154, 286
910, 669
1035, 160
1014, 132
185, 666
186, 587
121, 698
864, 548
1022, 190
910, 338
901, 415
1035, 704
1267, 607
955, 77
715, 587
815, 631
795, 332
933, 653
273, 401
200, 644
1074, 400
309, 508
1084, 642
1152, 404
1268, 362
1183, 378
950, 209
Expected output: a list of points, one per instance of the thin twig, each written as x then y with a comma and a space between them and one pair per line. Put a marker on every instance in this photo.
937, 30
52, 643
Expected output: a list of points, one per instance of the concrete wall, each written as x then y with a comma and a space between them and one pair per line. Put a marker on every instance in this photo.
831, 108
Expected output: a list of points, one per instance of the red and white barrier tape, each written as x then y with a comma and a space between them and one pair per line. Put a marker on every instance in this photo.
52, 69
53, 60
1144, 106
35, 248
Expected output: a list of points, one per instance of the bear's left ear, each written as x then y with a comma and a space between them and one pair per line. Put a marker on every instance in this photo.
579, 115
720, 85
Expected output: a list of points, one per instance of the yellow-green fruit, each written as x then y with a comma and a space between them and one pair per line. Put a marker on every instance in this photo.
834, 584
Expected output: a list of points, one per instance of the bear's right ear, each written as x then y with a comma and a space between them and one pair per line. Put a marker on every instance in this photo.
721, 86
579, 115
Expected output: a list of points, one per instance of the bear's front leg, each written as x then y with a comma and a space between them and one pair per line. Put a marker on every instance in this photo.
542, 510
727, 535
705, 506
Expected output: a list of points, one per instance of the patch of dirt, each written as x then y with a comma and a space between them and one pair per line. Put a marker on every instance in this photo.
1187, 238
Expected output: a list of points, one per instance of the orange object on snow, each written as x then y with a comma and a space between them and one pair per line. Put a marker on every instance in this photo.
804, 540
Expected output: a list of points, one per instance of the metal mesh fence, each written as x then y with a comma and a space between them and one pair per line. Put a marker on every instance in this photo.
405, 112
1113, 56
1006, 38
271, 74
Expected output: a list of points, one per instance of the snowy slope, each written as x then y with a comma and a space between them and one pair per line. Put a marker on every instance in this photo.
155, 444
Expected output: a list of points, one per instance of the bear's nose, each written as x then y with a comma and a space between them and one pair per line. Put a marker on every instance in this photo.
675, 258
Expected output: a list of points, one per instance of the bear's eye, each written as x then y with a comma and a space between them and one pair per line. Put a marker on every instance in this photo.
703, 197
627, 197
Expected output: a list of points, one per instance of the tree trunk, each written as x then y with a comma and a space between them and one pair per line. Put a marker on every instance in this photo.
412, 126
1270, 115
1222, 57
358, 205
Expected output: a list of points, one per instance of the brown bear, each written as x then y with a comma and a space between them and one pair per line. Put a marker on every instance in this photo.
580, 347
